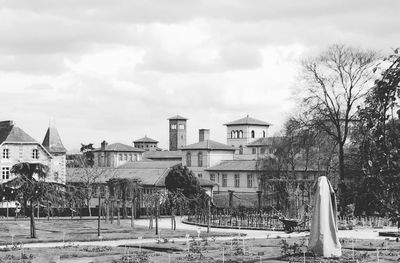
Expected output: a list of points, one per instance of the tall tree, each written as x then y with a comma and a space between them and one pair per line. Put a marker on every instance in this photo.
380, 130
29, 188
335, 82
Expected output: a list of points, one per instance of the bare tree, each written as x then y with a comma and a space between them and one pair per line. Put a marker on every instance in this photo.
335, 82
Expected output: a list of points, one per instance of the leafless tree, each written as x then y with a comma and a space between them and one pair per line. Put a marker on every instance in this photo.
335, 82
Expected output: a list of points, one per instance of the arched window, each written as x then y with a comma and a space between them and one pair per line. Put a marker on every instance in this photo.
253, 134
264, 134
240, 149
233, 134
200, 159
188, 159
240, 134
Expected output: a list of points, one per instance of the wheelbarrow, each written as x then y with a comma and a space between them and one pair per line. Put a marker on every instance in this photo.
290, 225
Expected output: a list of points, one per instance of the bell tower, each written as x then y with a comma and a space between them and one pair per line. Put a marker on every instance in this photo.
177, 132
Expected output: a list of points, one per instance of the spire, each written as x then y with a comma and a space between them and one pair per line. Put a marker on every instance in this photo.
52, 141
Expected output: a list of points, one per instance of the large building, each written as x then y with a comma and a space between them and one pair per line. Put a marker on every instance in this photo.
17, 146
116, 154
243, 131
205, 153
177, 132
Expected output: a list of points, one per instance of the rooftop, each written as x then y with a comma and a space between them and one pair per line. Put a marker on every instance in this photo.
248, 121
208, 145
177, 117
11, 133
163, 155
120, 147
52, 141
268, 141
235, 165
146, 139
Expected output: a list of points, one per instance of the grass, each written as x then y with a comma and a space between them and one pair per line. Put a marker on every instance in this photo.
79, 230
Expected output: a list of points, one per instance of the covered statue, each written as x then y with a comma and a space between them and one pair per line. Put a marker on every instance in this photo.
324, 239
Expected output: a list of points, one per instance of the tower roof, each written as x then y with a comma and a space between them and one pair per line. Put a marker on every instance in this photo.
52, 141
177, 117
146, 139
11, 133
248, 121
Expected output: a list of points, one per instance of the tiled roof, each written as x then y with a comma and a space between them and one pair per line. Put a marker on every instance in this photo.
149, 165
208, 145
11, 133
177, 117
248, 121
146, 139
235, 165
149, 173
268, 141
52, 141
120, 147
163, 155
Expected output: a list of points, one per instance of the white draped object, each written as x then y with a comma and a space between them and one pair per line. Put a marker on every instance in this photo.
324, 240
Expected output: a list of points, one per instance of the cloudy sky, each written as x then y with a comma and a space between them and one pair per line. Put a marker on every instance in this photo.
116, 70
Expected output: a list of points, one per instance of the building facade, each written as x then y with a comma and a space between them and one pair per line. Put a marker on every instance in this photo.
17, 146
177, 132
199, 156
116, 154
243, 131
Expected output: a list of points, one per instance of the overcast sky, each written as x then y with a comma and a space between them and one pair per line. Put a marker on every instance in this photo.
116, 70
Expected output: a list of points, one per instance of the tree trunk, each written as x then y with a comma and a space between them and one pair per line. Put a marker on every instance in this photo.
32, 217
118, 214
112, 212
88, 205
107, 211
132, 213
341, 185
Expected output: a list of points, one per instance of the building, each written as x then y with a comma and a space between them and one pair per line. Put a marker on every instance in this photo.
243, 131
177, 132
53, 144
116, 154
199, 156
235, 175
147, 144
17, 146
263, 147
163, 156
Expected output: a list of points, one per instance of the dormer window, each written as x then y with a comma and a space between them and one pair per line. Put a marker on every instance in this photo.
6, 153
35, 154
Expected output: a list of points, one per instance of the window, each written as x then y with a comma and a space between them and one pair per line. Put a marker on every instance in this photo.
253, 150
237, 180
35, 154
200, 175
212, 177
6, 153
249, 181
200, 159
240, 134
240, 149
233, 135
125, 157
173, 126
120, 157
188, 159
130, 157
262, 150
253, 134
181, 126
264, 134
5, 173
224, 180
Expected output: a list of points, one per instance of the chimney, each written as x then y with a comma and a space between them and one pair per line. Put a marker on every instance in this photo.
204, 134
6, 124
103, 145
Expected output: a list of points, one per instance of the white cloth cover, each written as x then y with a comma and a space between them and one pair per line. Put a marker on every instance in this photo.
324, 240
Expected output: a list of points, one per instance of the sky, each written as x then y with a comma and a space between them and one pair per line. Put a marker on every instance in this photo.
117, 70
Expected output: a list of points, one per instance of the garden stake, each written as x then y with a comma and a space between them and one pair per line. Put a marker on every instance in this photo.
223, 255
244, 248
353, 247
377, 254
304, 257
140, 244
